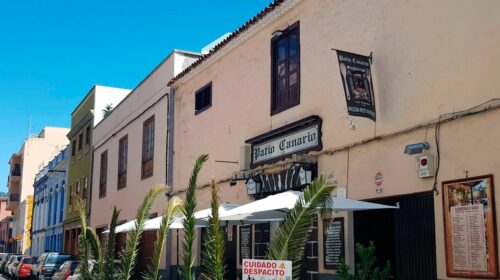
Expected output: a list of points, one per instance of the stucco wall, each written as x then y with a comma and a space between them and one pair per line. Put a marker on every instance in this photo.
147, 99
423, 53
429, 58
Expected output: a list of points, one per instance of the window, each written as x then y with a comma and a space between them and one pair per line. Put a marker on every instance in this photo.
122, 162
73, 148
285, 70
77, 187
148, 144
203, 98
261, 243
85, 185
80, 141
103, 175
87, 135
70, 201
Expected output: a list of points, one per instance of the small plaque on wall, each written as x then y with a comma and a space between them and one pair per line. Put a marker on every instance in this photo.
333, 242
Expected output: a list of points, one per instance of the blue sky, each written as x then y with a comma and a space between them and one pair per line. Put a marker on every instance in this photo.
52, 52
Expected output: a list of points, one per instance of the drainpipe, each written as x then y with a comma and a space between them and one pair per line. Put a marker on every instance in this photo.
169, 170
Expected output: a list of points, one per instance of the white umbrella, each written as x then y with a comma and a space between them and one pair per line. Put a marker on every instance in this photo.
274, 207
155, 223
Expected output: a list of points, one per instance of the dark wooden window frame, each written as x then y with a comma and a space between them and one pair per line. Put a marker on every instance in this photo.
103, 174
200, 91
122, 162
87, 136
147, 160
80, 141
277, 108
73, 147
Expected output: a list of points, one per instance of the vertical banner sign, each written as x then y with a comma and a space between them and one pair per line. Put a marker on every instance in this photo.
470, 231
266, 270
29, 220
357, 80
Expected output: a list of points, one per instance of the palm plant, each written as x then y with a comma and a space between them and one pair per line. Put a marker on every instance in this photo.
129, 255
89, 243
212, 265
189, 221
290, 238
107, 110
175, 206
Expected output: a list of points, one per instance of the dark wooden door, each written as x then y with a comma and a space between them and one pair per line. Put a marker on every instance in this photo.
231, 257
406, 236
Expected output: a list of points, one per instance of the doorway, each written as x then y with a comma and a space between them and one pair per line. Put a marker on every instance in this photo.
405, 237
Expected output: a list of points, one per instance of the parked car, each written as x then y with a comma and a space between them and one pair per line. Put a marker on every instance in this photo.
11, 259
23, 270
35, 269
51, 263
66, 270
11, 267
92, 266
3, 261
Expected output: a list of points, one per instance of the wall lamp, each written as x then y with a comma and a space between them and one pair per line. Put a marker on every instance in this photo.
416, 148
277, 33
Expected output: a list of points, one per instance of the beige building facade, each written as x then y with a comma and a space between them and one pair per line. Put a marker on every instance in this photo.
433, 70
34, 154
130, 155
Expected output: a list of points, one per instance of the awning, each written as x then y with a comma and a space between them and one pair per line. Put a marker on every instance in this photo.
275, 207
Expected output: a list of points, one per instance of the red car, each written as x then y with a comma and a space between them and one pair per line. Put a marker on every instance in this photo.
24, 267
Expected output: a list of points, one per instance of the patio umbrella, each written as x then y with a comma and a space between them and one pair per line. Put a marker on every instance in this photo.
154, 224
275, 207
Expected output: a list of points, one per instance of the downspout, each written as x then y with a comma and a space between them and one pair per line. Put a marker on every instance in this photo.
169, 170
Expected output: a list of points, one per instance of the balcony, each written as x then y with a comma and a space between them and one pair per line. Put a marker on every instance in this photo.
13, 202
15, 173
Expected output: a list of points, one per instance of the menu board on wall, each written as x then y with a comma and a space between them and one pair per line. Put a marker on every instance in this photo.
470, 236
246, 243
333, 242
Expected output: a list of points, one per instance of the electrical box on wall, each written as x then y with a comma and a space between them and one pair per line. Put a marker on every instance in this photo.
245, 154
425, 166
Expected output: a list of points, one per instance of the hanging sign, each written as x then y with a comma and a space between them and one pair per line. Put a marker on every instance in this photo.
266, 270
295, 138
357, 80
470, 231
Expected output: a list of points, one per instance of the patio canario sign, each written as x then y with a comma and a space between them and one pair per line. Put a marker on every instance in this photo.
298, 137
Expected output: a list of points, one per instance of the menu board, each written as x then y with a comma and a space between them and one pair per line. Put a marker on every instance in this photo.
333, 242
470, 236
246, 242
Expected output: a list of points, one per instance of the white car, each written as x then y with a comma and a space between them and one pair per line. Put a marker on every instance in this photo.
92, 263
11, 268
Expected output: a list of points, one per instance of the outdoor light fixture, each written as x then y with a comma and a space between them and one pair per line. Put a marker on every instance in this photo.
253, 186
416, 148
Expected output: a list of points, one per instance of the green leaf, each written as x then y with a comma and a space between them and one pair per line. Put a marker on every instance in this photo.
289, 239
189, 221
174, 208
129, 255
212, 261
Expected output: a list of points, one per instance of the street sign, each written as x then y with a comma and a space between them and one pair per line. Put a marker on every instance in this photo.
266, 270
